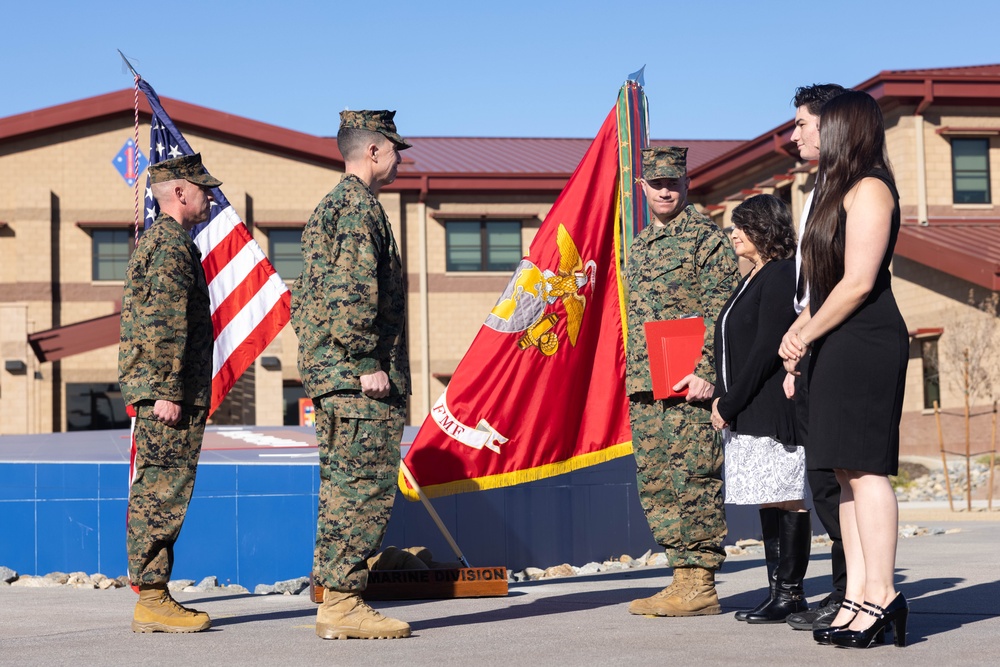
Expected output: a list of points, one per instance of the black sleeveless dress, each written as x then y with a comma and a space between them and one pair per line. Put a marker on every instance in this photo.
857, 378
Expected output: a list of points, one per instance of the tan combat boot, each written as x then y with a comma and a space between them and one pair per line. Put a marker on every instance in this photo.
648, 606
156, 611
346, 616
693, 594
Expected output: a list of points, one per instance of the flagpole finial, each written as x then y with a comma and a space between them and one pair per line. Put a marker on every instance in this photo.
128, 64
634, 76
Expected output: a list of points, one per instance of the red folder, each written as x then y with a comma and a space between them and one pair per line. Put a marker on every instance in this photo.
674, 348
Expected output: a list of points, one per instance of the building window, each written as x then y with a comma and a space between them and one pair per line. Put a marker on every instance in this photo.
95, 406
932, 377
110, 248
286, 252
485, 245
971, 170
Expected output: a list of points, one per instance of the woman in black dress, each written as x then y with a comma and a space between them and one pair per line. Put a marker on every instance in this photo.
860, 349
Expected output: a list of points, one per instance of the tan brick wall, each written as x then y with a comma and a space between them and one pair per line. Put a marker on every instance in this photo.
930, 299
455, 312
937, 149
62, 178
900, 139
15, 387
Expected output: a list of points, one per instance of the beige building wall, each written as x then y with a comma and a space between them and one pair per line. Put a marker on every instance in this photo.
928, 299
18, 408
457, 302
938, 152
46, 250
62, 182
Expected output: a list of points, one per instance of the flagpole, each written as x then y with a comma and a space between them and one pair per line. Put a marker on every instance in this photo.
434, 515
135, 77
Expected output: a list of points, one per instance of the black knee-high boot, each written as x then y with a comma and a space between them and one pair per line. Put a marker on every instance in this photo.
795, 540
769, 527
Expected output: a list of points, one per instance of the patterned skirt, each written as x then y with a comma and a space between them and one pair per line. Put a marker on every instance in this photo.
762, 470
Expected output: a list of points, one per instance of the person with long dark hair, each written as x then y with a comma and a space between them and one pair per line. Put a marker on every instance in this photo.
858, 364
808, 102
764, 466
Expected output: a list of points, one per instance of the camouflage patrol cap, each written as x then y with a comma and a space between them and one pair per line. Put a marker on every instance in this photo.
374, 121
664, 162
186, 167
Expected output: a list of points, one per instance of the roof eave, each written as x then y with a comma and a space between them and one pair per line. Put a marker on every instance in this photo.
963, 264
110, 105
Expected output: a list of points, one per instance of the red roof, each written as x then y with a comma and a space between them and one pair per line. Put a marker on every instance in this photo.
185, 115
977, 85
65, 341
434, 163
966, 250
990, 71
491, 155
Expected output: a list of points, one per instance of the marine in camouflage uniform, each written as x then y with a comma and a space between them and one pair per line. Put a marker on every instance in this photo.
349, 313
165, 371
681, 266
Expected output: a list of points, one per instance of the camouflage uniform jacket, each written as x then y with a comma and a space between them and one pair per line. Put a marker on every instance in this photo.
684, 268
349, 305
166, 324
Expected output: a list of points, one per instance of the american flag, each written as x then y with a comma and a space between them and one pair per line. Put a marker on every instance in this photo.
250, 303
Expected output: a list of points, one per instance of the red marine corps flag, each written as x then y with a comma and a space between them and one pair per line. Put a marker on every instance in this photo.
541, 390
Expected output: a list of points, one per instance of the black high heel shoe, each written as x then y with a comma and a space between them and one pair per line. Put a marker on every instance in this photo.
893, 615
822, 635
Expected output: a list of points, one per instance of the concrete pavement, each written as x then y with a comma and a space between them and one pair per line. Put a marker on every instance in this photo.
950, 579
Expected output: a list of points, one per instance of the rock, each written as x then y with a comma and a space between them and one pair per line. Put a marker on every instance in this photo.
424, 554
291, 586
7, 575
179, 584
590, 568
614, 565
207, 584
235, 589
822, 540
59, 577
657, 559
533, 573
733, 550
80, 580
564, 570
123, 581
97, 578
743, 544
106, 584
625, 559
263, 589
29, 581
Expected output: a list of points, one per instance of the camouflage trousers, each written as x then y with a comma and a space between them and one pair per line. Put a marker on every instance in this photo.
679, 471
358, 441
165, 463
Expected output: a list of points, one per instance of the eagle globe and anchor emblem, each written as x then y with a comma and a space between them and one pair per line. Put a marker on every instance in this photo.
521, 309
522, 306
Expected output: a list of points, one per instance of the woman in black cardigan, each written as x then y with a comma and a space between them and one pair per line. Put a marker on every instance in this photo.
763, 464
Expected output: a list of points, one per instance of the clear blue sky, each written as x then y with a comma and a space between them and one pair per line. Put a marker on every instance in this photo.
714, 69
